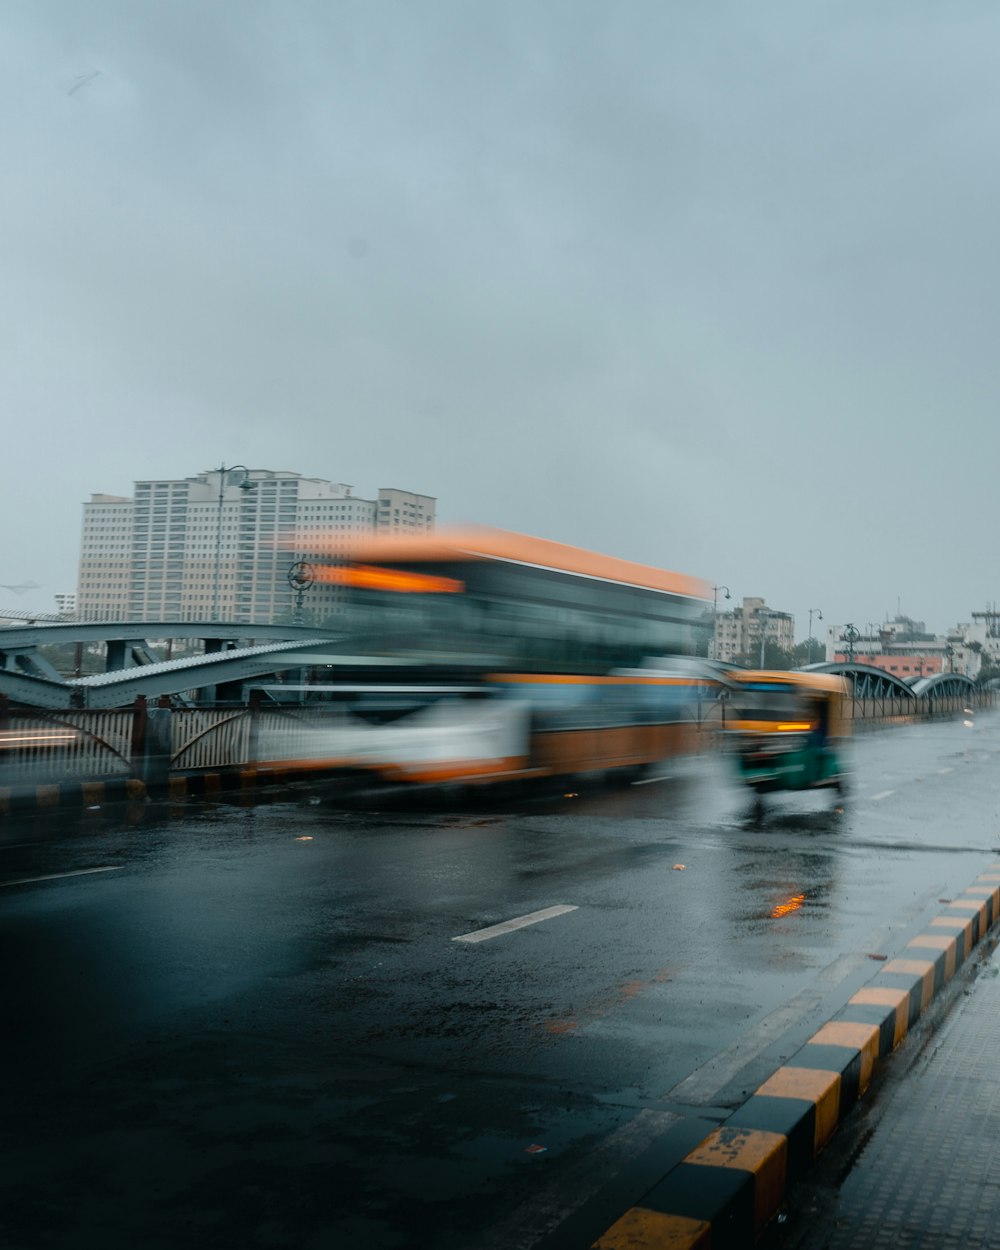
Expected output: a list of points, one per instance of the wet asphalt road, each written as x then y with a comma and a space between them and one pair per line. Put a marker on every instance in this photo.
253, 1026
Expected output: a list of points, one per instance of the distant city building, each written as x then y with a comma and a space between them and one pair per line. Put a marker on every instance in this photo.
869, 640
66, 604
904, 648
902, 663
977, 642
905, 629
102, 588
220, 546
738, 633
402, 512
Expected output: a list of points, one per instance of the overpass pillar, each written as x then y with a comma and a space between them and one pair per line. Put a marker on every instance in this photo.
116, 658
207, 694
151, 742
158, 745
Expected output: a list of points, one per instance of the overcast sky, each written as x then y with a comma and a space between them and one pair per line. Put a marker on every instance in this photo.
708, 285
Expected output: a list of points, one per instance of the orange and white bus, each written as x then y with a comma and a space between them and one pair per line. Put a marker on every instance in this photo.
563, 661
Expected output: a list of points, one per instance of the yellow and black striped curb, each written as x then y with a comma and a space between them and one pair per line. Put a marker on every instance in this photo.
724, 1191
77, 794
71, 794
207, 784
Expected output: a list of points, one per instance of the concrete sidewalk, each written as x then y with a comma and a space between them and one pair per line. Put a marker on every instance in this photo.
918, 1163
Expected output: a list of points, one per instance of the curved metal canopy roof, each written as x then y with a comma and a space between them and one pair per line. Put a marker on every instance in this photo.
944, 684
869, 682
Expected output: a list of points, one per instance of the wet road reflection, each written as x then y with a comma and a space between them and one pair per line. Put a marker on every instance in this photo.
259, 1030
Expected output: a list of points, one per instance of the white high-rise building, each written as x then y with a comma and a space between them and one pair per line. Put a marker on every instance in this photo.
219, 546
105, 559
401, 512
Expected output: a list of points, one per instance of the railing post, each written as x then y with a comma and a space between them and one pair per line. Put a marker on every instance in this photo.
138, 747
158, 745
4, 727
151, 742
253, 735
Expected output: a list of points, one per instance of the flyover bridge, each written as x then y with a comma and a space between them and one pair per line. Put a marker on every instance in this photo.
232, 653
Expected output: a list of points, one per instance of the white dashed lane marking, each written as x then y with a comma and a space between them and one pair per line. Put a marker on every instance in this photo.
58, 876
519, 922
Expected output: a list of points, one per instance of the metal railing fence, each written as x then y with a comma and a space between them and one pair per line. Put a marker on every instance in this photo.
151, 743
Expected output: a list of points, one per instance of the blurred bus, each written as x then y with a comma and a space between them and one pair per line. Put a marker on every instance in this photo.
580, 662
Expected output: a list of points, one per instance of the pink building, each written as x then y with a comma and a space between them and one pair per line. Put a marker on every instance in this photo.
903, 666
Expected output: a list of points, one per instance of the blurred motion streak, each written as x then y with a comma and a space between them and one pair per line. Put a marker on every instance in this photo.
469, 658
82, 745
526, 657
368, 577
41, 737
789, 730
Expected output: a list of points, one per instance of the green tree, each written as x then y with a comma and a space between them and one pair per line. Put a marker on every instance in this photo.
775, 657
808, 652
989, 668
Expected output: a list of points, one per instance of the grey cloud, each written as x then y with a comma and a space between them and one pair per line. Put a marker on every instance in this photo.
708, 285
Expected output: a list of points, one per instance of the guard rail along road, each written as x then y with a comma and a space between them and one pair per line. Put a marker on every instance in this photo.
49, 756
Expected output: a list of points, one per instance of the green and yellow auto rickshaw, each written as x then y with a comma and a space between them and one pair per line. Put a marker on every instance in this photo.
788, 730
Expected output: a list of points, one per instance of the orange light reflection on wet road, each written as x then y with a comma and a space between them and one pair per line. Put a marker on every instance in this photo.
790, 904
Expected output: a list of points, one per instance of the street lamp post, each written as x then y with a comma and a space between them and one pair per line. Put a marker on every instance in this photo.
851, 636
809, 645
763, 614
715, 617
871, 640
300, 577
245, 485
